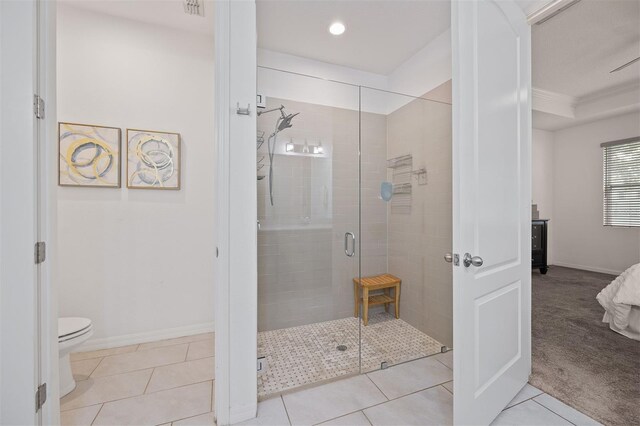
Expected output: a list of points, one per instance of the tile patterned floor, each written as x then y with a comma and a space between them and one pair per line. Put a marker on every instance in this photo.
181, 393
415, 393
307, 354
148, 384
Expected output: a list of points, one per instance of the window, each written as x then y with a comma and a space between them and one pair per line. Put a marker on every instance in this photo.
621, 182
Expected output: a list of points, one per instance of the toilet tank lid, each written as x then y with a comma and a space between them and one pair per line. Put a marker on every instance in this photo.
72, 325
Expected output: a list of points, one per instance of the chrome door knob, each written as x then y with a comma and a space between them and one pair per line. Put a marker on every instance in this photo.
448, 257
469, 260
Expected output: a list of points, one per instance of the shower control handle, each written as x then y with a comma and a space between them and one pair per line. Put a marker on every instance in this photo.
346, 244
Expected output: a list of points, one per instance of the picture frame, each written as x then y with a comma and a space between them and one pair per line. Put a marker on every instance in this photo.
153, 159
89, 155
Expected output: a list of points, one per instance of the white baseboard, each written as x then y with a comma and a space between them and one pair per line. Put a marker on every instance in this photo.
588, 268
147, 336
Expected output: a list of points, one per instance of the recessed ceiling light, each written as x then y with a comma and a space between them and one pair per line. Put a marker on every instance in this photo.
337, 28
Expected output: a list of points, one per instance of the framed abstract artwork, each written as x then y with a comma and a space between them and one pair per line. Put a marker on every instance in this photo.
153, 159
88, 155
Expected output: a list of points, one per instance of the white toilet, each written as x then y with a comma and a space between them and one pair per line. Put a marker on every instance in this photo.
71, 333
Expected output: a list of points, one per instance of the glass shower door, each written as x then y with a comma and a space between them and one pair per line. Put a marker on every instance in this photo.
308, 210
406, 224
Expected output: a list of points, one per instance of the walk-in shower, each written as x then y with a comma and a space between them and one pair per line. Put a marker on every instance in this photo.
362, 190
283, 122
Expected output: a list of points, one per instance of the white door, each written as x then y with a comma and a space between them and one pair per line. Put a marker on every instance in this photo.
491, 206
19, 220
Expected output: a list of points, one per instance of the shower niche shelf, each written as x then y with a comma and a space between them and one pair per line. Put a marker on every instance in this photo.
402, 167
398, 162
401, 172
402, 188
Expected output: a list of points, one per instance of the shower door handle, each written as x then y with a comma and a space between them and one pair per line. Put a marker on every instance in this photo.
346, 244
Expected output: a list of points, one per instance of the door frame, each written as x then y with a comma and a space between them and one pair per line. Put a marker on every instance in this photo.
221, 231
49, 354
45, 365
236, 234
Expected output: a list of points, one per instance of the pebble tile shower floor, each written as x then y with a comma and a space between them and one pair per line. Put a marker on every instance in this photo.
307, 354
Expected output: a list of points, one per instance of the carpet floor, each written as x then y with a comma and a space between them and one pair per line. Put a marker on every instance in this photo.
575, 356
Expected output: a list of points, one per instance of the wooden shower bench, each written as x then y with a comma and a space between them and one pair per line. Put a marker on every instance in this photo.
384, 282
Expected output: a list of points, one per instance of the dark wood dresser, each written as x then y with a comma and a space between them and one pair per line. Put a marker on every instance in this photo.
539, 245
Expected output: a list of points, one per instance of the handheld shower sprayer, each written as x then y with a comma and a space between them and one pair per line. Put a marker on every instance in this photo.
283, 122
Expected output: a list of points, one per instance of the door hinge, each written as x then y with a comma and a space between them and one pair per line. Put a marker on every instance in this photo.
41, 396
40, 252
262, 364
38, 106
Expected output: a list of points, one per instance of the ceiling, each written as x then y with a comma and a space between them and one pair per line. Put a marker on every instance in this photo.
574, 52
380, 35
169, 13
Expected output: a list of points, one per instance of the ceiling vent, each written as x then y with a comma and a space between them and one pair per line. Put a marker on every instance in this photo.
193, 7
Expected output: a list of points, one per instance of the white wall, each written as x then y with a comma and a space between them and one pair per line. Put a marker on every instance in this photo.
580, 240
296, 64
542, 181
137, 262
427, 69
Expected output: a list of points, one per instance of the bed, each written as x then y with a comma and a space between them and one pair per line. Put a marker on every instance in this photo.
621, 303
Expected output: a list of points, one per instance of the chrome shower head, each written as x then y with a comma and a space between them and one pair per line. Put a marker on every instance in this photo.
285, 123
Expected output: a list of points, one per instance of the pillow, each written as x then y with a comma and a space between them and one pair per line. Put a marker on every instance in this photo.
629, 291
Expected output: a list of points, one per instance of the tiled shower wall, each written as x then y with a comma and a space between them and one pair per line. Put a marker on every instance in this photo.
304, 275
419, 237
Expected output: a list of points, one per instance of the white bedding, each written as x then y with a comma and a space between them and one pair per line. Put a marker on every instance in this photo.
621, 302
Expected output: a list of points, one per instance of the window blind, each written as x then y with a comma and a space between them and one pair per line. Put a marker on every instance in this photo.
621, 182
